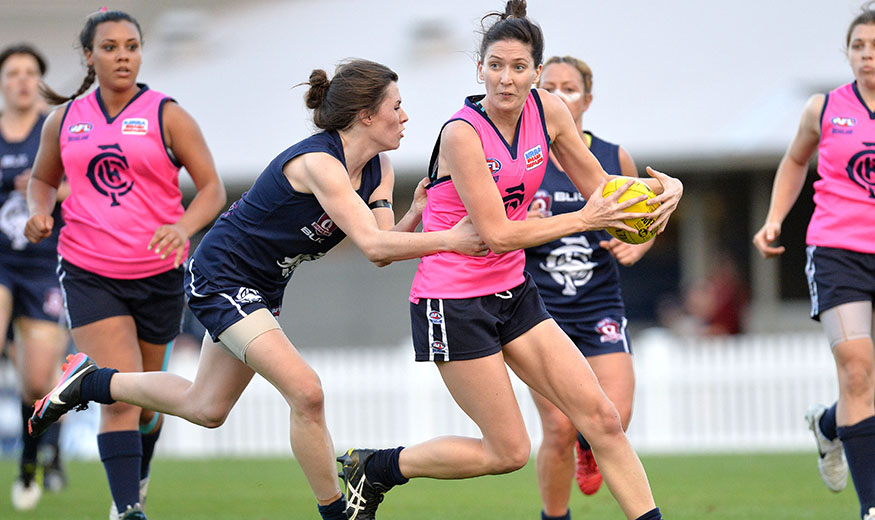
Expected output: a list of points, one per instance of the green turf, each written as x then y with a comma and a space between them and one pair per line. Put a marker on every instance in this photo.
712, 487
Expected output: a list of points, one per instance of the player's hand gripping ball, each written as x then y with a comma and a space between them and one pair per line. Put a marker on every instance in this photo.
642, 225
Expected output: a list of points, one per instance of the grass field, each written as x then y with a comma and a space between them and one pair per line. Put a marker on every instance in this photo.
713, 487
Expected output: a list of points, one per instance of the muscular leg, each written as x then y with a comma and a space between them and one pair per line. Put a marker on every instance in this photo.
5, 314
550, 364
40, 344
482, 389
274, 357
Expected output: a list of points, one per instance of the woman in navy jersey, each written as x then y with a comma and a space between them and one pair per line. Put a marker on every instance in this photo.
840, 127
578, 279
330, 185
30, 299
121, 147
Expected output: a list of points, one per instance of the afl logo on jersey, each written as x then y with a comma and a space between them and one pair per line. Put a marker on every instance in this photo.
844, 122
494, 166
107, 172
534, 158
861, 169
80, 128
435, 317
135, 126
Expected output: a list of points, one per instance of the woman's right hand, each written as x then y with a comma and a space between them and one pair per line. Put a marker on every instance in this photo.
38, 227
765, 237
465, 240
606, 212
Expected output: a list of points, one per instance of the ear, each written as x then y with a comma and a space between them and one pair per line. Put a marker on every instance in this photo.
365, 117
480, 71
587, 100
89, 58
538, 74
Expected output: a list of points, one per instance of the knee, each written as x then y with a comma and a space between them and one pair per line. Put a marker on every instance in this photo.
603, 422
856, 378
512, 456
308, 400
559, 433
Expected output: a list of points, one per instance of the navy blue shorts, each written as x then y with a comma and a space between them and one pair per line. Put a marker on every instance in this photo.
470, 328
218, 306
605, 335
155, 302
34, 286
837, 276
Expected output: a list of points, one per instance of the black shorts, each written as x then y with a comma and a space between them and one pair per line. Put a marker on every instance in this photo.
34, 287
604, 334
837, 276
470, 328
155, 302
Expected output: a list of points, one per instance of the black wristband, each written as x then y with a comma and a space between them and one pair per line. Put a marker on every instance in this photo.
382, 203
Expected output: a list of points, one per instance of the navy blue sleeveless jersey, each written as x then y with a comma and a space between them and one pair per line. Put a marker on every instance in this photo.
271, 229
575, 276
16, 158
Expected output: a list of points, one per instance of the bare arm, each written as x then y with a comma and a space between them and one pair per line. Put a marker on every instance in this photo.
790, 177
187, 143
326, 178
586, 173
45, 178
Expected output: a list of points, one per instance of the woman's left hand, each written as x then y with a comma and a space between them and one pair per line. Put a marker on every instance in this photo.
169, 239
672, 190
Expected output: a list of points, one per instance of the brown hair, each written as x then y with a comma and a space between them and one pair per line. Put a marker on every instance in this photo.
23, 48
580, 65
513, 24
357, 85
86, 40
866, 17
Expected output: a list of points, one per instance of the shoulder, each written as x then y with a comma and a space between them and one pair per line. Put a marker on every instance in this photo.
458, 131
551, 104
52, 122
813, 111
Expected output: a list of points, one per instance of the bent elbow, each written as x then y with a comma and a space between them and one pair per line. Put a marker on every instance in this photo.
499, 245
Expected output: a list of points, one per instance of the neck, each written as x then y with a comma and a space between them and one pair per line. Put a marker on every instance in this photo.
16, 123
868, 92
114, 100
357, 149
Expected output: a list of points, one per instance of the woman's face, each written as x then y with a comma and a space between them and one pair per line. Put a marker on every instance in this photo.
508, 71
116, 55
861, 54
564, 80
387, 123
19, 81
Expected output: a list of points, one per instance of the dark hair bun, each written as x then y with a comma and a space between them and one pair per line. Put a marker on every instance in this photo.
514, 9
318, 88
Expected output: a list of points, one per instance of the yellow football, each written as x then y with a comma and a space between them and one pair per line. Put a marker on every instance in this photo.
642, 225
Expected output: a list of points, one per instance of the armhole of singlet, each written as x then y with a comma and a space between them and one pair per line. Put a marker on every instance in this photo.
823, 110
167, 149
543, 119
64, 118
432, 163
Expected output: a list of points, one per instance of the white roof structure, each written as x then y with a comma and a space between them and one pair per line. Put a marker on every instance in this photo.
675, 80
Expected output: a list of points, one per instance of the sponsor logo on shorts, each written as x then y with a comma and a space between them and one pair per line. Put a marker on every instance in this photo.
438, 347
610, 331
135, 126
247, 295
53, 304
435, 317
534, 157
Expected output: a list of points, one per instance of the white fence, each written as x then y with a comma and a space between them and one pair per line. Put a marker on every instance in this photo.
742, 393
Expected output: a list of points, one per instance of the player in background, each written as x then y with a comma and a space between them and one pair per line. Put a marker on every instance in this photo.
474, 317
330, 185
126, 232
30, 299
840, 127
578, 279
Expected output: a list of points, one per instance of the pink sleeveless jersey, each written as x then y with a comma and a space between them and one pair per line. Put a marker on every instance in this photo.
123, 186
844, 196
517, 170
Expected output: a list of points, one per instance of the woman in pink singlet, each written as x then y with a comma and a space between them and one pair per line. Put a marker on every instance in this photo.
126, 232
840, 127
474, 317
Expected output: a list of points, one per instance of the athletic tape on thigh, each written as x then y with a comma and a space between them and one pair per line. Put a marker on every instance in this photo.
847, 321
